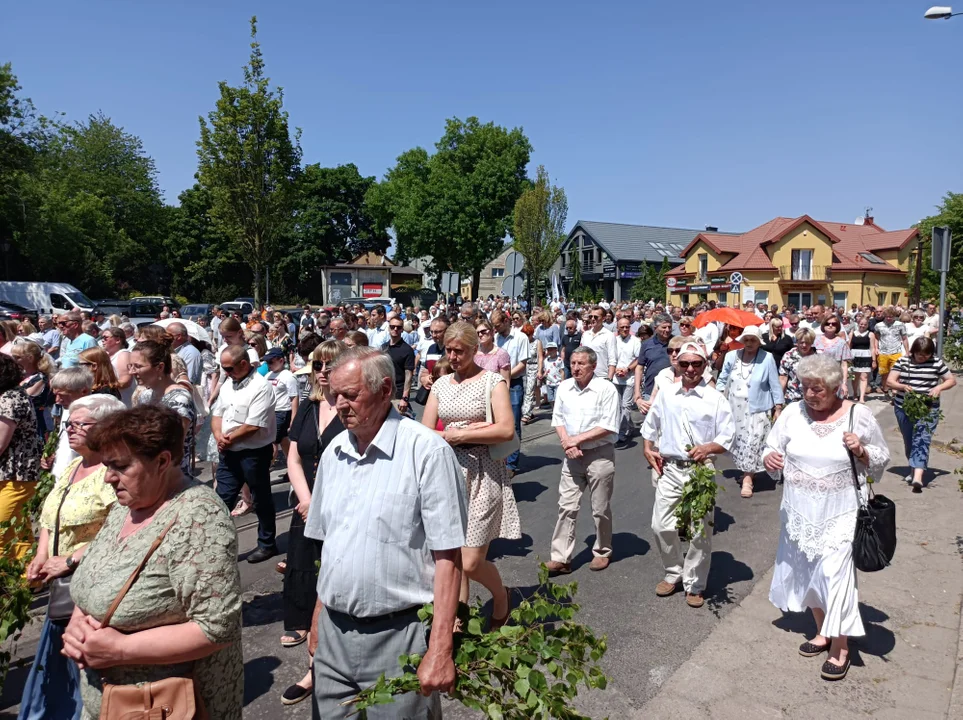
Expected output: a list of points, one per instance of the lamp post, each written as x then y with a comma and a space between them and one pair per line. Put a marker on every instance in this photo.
938, 12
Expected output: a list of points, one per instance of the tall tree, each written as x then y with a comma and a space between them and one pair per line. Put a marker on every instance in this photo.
455, 206
576, 284
949, 213
249, 164
650, 284
539, 227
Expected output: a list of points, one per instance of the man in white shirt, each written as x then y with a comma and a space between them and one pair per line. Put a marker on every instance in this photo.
586, 418
690, 422
244, 425
518, 349
286, 394
602, 341
932, 321
627, 349
188, 353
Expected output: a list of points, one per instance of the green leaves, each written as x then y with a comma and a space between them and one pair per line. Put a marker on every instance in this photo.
531, 668
698, 500
919, 406
539, 227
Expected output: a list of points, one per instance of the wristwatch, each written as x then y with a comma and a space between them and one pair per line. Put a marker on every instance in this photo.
405, 398
71, 563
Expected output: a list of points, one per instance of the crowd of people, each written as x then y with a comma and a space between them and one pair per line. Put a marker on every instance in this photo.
167, 429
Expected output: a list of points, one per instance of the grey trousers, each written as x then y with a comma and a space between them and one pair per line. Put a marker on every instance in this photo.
351, 656
626, 406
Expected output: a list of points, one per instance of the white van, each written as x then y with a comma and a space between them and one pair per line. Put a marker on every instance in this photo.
46, 298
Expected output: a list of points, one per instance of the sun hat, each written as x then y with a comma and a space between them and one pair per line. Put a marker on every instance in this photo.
751, 331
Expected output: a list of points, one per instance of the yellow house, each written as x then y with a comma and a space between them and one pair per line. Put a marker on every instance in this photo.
797, 261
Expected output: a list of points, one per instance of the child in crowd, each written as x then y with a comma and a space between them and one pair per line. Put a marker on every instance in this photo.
554, 370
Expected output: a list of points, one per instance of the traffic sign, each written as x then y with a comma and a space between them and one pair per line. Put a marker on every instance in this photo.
736, 278
734, 289
670, 282
514, 263
450, 283
513, 286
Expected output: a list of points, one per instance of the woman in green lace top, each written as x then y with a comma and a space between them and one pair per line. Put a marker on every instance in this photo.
183, 614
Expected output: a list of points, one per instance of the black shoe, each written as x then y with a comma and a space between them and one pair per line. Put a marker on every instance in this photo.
295, 694
829, 671
917, 487
621, 444
262, 554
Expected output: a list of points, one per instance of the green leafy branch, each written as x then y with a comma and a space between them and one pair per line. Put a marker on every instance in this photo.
919, 407
530, 668
15, 594
698, 500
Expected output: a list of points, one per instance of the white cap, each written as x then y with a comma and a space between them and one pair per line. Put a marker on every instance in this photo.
693, 348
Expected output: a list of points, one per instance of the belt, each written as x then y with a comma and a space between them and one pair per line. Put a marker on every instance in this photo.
679, 463
373, 619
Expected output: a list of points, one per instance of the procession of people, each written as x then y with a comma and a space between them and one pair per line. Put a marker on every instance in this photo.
401, 431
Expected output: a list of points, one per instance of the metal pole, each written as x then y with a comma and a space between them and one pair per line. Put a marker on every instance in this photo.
942, 311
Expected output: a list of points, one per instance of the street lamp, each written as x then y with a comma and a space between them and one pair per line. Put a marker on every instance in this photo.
938, 12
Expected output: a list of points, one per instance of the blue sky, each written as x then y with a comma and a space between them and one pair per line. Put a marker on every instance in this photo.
671, 113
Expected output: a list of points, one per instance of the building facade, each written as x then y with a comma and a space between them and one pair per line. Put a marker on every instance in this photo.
367, 276
492, 276
797, 261
611, 255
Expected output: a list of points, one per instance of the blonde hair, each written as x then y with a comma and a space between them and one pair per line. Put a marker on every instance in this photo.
103, 370
328, 351
462, 332
34, 351
805, 335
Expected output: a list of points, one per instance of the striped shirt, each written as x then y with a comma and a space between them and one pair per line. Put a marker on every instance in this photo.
380, 514
922, 377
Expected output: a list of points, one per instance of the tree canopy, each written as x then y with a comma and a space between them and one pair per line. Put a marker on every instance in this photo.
539, 228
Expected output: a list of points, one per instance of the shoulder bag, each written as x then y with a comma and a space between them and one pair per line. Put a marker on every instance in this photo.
173, 698
499, 451
60, 606
874, 542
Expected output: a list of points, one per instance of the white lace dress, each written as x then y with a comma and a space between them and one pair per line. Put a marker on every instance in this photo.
814, 562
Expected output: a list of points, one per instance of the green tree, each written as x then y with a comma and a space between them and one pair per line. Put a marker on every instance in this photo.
576, 285
949, 213
649, 284
332, 223
455, 206
249, 164
539, 231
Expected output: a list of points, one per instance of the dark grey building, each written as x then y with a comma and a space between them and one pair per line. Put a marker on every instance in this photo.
612, 254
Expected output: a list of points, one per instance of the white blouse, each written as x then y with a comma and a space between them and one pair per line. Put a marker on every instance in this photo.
819, 500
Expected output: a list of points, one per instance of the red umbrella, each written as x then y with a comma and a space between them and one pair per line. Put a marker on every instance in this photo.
729, 316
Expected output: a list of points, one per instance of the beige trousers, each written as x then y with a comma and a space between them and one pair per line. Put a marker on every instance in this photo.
595, 470
693, 570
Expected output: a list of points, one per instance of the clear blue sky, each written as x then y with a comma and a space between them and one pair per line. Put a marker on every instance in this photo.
721, 113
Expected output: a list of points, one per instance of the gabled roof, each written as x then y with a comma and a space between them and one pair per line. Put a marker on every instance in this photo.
637, 243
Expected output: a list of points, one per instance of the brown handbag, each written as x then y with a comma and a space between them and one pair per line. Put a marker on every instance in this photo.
173, 698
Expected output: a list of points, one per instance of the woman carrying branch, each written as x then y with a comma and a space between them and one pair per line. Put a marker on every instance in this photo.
810, 444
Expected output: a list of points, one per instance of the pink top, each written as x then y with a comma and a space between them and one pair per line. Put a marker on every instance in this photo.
495, 361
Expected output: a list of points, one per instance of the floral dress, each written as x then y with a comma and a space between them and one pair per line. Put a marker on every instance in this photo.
531, 378
492, 512
193, 577
751, 427
787, 368
181, 401
21, 460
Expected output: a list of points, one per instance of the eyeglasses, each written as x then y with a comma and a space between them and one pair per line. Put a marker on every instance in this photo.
484, 331
832, 324
691, 363
74, 426
228, 368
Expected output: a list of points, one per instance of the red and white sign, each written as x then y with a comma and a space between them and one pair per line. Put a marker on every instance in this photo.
371, 290
670, 282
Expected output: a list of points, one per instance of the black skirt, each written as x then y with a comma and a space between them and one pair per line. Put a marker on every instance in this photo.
300, 577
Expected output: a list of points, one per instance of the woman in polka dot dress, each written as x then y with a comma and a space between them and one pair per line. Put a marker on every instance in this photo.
459, 400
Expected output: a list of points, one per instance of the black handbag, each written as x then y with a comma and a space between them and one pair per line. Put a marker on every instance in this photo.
874, 542
421, 397
60, 606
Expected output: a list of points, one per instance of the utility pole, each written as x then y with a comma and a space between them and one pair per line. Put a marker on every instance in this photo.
942, 240
917, 292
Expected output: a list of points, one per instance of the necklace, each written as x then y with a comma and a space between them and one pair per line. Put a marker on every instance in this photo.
743, 364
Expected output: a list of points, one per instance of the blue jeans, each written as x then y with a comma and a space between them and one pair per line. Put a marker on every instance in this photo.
516, 391
52, 691
916, 437
252, 468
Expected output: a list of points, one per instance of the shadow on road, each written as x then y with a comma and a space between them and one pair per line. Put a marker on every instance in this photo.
878, 641
259, 677
723, 520
528, 491
724, 572
263, 610
500, 548
530, 463
624, 545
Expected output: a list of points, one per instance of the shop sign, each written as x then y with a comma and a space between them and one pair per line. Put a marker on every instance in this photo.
371, 290
699, 288
721, 285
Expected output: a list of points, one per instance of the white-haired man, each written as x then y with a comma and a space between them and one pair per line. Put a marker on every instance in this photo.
690, 423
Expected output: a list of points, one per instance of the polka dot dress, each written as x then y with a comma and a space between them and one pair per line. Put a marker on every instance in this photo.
492, 512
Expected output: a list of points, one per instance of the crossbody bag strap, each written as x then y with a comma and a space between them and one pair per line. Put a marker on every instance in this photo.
133, 576
852, 461
63, 498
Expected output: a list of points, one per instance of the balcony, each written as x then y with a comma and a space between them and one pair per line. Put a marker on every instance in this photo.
812, 274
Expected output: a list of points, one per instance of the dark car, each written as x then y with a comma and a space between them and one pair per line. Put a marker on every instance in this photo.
12, 311
197, 310
111, 306
151, 306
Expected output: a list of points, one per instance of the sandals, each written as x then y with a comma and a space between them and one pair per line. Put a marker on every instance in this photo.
808, 649
746, 489
281, 567
293, 640
528, 420
242, 508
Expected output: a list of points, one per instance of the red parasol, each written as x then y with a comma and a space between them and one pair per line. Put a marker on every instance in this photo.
729, 316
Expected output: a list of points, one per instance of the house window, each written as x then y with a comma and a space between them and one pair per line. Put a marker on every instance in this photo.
797, 300
880, 299
839, 300
802, 264
703, 264
684, 299
598, 255
498, 272
586, 258
564, 257
762, 296
894, 298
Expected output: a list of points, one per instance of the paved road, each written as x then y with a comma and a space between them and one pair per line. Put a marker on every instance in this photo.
648, 637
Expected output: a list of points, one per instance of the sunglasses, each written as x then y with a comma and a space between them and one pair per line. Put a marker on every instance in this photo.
86, 364
227, 368
484, 331
691, 363
673, 351
318, 365
835, 325
395, 327
682, 325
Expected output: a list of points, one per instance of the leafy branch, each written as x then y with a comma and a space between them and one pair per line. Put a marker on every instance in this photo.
530, 668
698, 500
15, 593
919, 407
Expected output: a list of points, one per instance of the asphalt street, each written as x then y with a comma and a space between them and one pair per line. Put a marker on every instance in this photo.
648, 637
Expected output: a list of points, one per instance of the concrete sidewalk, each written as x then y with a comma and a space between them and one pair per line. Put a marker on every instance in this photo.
907, 665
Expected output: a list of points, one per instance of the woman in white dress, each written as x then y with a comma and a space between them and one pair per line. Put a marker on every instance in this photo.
750, 380
810, 445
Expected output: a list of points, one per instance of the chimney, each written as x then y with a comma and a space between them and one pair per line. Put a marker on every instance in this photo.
868, 218
711, 228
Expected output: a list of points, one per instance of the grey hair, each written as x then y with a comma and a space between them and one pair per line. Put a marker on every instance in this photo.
822, 369
74, 379
661, 318
376, 366
98, 406
128, 327
587, 352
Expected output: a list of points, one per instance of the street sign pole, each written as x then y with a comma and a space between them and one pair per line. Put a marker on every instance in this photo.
942, 239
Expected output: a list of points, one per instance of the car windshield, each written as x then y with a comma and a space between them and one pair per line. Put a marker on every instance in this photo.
78, 298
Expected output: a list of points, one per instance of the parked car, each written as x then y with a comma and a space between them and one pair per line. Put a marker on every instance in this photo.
44, 297
112, 306
248, 300
368, 303
151, 306
13, 311
244, 308
196, 310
